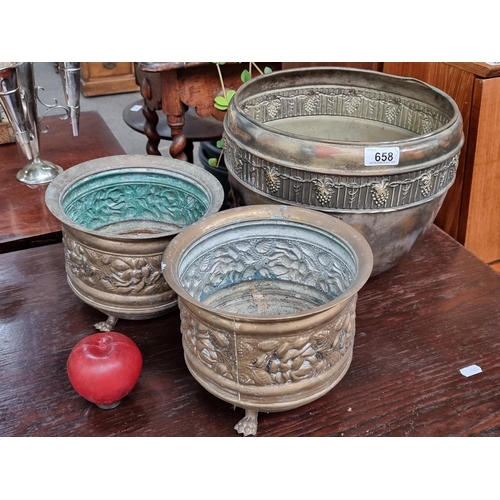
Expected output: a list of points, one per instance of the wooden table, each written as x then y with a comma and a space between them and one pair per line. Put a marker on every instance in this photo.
26, 221
418, 324
174, 87
196, 128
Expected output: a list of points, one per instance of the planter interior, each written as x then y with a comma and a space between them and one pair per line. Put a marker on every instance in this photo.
134, 202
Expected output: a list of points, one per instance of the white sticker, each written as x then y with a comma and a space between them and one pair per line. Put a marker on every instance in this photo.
381, 156
470, 370
136, 107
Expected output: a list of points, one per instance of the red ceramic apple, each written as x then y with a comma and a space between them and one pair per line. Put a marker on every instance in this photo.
104, 367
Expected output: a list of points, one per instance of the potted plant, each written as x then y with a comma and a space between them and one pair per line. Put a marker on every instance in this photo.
210, 153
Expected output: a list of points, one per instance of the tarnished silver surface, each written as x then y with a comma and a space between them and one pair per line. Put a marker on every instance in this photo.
12, 103
19, 95
118, 214
267, 296
301, 137
71, 81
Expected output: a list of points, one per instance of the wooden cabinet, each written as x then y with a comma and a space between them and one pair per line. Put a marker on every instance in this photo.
6, 131
103, 78
471, 210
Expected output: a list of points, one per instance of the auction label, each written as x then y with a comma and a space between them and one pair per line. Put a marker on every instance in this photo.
381, 156
468, 371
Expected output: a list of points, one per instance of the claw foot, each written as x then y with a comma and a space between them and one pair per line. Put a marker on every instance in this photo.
248, 424
106, 326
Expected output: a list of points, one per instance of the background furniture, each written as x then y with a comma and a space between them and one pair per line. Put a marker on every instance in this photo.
102, 78
174, 87
6, 131
471, 211
25, 220
196, 129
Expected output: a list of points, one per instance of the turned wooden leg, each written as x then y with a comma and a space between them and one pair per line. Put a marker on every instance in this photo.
150, 131
176, 124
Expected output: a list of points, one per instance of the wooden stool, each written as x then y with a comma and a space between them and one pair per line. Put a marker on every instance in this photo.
196, 128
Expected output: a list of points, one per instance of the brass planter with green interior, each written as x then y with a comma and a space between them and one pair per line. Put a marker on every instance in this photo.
118, 214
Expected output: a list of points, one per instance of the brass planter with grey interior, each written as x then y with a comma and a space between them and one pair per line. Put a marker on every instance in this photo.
267, 297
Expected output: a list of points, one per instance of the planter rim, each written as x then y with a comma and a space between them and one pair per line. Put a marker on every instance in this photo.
57, 189
350, 237
276, 141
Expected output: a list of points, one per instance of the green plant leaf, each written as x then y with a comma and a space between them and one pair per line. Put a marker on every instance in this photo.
212, 162
267, 70
220, 143
245, 76
221, 100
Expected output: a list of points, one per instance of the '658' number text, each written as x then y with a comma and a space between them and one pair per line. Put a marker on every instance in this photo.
384, 156
381, 156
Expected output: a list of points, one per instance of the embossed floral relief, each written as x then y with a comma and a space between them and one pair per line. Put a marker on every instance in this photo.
272, 178
380, 193
273, 361
265, 258
214, 348
117, 203
122, 275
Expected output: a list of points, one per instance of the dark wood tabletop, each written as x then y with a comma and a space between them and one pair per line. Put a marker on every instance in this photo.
417, 326
25, 220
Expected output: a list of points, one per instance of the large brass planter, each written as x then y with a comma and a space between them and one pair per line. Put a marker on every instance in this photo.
118, 214
267, 296
377, 151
